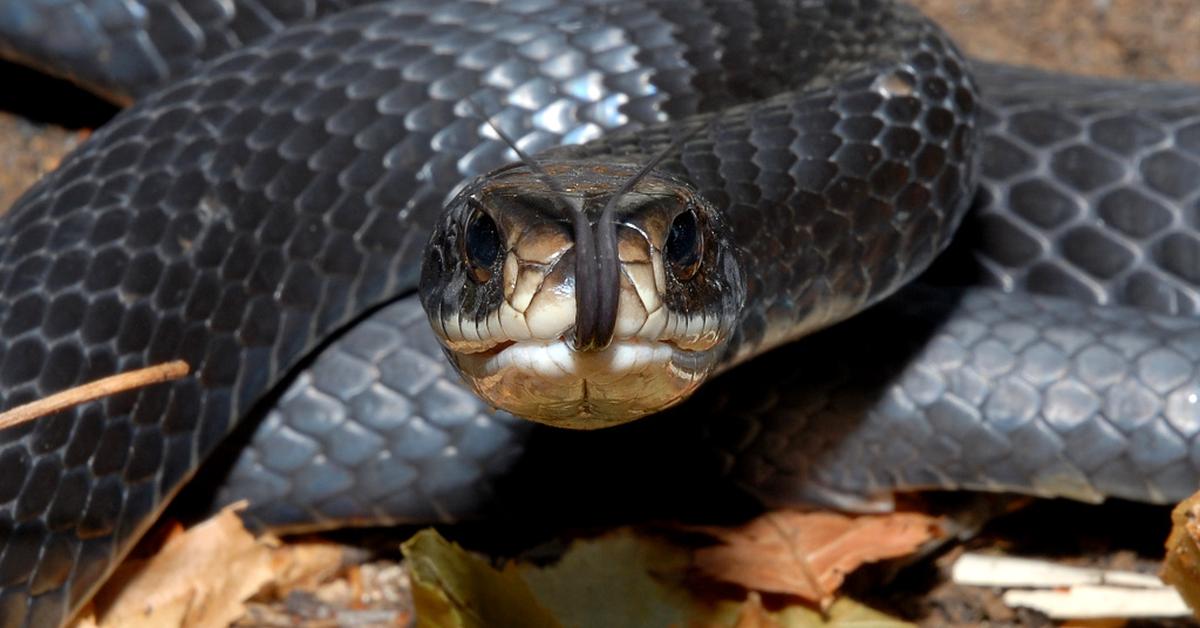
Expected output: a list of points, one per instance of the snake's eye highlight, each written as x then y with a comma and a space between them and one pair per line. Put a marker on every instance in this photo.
685, 245
481, 245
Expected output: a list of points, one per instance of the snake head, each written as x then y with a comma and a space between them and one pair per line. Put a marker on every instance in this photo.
514, 282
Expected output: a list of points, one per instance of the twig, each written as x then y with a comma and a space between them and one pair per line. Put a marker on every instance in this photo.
98, 389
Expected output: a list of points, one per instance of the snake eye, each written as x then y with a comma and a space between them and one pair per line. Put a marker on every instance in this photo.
685, 245
481, 245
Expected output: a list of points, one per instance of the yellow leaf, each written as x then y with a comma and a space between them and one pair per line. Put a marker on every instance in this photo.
455, 589
623, 578
843, 613
619, 579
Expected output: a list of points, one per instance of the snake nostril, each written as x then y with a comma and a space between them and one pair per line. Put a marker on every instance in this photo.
481, 245
685, 245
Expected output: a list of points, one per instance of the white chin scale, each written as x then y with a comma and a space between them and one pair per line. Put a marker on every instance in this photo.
549, 382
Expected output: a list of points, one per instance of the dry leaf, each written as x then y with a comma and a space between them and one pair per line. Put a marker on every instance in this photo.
753, 615
623, 578
842, 613
453, 588
203, 575
809, 554
305, 565
1182, 566
199, 577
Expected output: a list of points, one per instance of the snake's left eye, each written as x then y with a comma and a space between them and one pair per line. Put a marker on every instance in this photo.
481, 245
685, 245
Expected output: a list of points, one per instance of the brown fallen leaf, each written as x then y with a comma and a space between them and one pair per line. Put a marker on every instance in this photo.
202, 576
199, 577
305, 564
1181, 568
809, 554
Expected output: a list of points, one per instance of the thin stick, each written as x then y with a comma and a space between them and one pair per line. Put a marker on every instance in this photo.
98, 389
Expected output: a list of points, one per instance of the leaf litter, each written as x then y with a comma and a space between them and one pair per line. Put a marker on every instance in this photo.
645, 577
217, 573
781, 569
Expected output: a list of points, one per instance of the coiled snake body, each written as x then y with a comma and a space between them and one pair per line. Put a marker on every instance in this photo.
277, 200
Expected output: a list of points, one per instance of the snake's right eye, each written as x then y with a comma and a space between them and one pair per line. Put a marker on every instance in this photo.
685, 245
480, 245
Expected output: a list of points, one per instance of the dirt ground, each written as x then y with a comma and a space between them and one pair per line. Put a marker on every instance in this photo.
1157, 39
1145, 38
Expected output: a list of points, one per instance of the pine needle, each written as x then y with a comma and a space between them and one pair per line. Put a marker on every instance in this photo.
92, 391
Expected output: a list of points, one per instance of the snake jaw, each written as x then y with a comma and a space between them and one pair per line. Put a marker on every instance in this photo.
665, 358
656, 360
550, 382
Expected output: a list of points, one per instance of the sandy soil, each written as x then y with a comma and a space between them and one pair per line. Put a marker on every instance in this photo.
1147, 38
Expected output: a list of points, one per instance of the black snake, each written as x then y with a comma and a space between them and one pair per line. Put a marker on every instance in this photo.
277, 200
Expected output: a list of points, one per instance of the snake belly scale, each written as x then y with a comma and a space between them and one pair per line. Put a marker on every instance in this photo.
248, 213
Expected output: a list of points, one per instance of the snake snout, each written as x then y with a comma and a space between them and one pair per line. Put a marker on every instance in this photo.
516, 277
